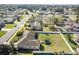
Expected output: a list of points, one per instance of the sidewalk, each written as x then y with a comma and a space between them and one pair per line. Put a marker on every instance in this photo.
4, 29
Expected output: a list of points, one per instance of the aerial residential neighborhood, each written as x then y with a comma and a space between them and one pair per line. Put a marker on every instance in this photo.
39, 29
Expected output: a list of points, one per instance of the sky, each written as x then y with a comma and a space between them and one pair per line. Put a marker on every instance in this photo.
39, 1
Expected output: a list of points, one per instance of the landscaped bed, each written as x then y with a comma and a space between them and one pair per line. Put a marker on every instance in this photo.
57, 43
2, 33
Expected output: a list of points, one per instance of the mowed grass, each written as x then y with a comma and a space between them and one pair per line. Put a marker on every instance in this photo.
15, 38
57, 43
24, 53
9, 26
2, 33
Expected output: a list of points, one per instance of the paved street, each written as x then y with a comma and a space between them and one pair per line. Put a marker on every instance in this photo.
10, 34
4, 29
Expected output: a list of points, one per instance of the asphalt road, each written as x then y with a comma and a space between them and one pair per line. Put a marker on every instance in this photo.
10, 33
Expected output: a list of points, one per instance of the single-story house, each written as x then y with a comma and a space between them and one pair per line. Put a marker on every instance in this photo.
15, 17
9, 21
27, 41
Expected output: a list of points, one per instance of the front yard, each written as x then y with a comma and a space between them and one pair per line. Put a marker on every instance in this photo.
9, 26
2, 33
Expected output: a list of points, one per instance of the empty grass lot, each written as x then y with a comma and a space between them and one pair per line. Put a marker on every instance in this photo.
57, 43
2, 33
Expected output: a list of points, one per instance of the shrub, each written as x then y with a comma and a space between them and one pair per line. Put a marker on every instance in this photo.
72, 41
47, 42
36, 36
19, 33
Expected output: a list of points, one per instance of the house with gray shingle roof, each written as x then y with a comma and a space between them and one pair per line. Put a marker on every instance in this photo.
26, 42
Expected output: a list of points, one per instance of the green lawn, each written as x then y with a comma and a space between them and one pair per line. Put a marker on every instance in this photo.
2, 33
15, 39
24, 53
57, 43
9, 26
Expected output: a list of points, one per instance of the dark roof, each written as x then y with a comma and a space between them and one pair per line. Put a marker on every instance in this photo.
15, 17
10, 20
1, 22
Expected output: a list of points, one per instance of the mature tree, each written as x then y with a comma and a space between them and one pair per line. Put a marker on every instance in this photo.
13, 49
55, 20
18, 18
19, 34
77, 20
76, 10
69, 37
36, 35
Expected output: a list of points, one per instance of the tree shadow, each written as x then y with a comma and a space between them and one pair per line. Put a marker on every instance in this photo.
41, 47
20, 50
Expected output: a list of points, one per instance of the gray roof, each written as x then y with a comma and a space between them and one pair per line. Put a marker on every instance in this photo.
27, 42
